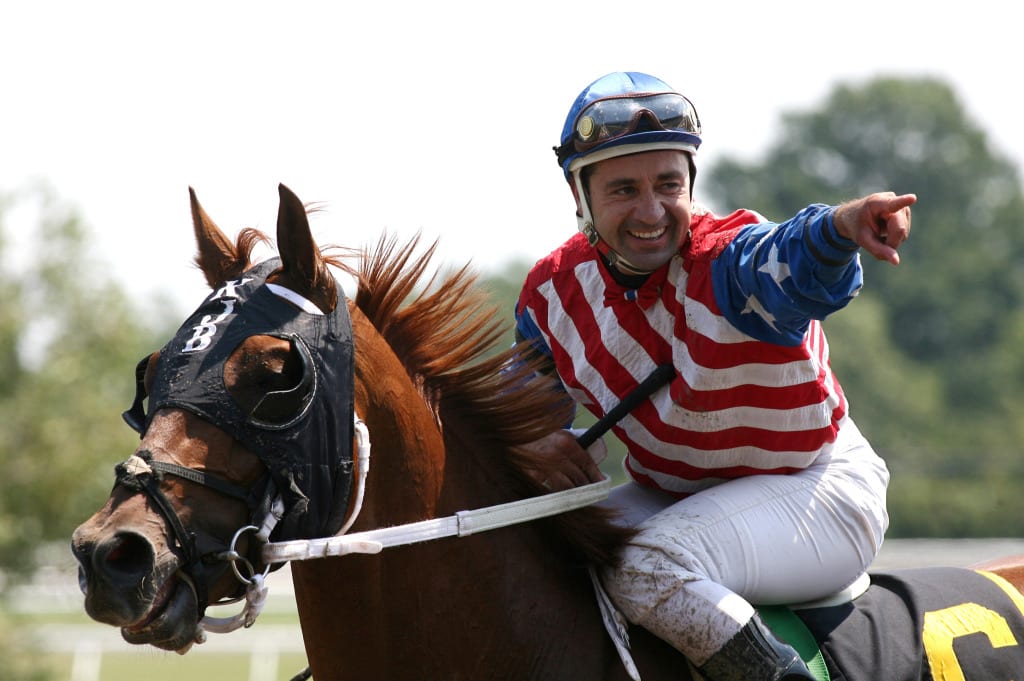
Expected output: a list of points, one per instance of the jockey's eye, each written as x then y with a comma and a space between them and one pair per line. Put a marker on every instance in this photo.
271, 379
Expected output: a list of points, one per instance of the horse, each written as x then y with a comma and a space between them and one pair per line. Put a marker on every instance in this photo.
252, 440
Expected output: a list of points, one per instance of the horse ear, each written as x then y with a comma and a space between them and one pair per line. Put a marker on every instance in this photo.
217, 257
302, 267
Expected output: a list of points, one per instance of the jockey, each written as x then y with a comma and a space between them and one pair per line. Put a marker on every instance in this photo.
749, 481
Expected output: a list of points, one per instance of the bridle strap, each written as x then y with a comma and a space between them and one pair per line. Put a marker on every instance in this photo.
255, 587
141, 473
202, 478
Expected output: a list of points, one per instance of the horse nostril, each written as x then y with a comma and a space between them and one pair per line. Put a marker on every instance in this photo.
127, 554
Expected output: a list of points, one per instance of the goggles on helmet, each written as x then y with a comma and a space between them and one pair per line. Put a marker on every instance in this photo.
617, 116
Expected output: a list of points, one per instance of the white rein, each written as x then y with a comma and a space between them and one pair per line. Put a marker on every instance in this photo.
462, 524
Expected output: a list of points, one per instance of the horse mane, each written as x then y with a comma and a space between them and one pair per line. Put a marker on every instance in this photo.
444, 330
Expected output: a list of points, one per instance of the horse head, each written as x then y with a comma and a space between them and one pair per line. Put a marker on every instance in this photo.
248, 431
247, 423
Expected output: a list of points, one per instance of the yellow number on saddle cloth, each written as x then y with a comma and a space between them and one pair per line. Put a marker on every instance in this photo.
943, 627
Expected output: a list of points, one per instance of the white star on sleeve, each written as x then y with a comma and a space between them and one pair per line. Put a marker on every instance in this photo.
774, 267
754, 305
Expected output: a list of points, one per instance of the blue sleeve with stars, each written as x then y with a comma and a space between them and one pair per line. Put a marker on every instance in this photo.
773, 279
527, 330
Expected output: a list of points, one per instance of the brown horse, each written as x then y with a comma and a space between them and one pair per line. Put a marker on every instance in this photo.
447, 421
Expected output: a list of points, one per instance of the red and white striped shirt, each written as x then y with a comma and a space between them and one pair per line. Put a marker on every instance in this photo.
737, 406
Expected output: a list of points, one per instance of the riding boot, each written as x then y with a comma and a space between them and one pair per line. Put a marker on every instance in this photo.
754, 654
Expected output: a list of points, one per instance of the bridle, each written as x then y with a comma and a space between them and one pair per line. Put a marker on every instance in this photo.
145, 477
141, 473
303, 434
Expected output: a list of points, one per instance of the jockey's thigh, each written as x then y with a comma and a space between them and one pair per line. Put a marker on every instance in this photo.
767, 538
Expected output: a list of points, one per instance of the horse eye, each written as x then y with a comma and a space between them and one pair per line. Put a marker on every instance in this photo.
280, 409
271, 379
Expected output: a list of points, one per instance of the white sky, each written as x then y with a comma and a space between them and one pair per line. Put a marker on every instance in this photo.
434, 116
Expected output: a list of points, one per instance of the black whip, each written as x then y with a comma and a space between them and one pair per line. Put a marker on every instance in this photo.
661, 375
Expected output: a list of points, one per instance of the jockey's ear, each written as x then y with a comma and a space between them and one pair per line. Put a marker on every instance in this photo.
302, 267
217, 257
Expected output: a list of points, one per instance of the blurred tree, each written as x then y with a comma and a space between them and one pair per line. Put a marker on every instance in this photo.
69, 339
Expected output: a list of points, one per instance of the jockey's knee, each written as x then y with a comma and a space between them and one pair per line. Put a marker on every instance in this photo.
646, 576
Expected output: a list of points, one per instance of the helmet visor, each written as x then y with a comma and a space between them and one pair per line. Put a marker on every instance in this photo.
613, 117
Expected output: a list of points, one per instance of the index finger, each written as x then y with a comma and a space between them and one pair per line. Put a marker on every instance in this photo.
894, 204
896, 221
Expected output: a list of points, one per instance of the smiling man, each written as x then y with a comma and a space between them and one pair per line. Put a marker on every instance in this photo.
750, 483
644, 204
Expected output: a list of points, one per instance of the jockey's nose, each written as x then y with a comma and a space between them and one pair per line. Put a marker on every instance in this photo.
650, 208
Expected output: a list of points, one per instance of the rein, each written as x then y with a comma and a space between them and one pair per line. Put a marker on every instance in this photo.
461, 524
465, 523
141, 473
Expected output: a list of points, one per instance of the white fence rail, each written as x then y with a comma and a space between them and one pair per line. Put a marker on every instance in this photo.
87, 645
55, 591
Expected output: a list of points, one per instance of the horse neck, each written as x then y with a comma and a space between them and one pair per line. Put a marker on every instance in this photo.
407, 464
508, 595
419, 468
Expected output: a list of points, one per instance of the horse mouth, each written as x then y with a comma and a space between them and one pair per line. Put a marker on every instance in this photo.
171, 622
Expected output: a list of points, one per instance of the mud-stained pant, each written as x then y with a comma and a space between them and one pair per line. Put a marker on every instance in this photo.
696, 565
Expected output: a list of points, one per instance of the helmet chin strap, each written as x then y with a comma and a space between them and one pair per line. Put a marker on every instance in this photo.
585, 223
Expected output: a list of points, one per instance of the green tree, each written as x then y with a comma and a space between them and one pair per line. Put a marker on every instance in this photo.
69, 337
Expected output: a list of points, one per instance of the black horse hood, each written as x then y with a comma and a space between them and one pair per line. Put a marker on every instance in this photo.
309, 453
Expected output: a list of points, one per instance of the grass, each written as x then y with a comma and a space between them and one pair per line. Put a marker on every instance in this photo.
269, 651
152, 665
44, 626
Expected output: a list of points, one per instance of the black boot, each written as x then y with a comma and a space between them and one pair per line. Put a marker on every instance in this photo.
754, 654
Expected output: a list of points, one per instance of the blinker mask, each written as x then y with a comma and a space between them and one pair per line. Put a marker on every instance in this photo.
308, 450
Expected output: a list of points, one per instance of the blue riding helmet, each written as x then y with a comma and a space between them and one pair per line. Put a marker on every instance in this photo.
624, 113
620, 114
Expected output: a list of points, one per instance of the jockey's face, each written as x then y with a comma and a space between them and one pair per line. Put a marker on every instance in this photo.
640, 205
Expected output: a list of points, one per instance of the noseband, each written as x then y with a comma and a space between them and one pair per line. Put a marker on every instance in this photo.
140, 473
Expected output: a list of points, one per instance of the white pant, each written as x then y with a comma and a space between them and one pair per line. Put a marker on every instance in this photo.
690, 574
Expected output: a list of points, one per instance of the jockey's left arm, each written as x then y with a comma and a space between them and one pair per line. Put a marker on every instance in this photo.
773, 279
